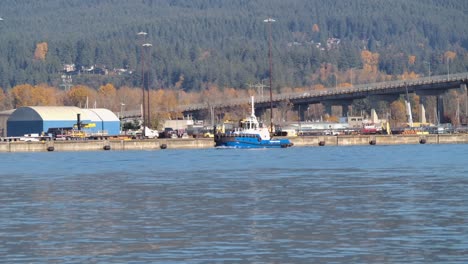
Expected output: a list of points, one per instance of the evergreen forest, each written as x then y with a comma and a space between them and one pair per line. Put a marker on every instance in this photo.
196, 44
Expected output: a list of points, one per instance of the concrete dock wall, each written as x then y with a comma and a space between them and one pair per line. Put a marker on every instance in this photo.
157, 144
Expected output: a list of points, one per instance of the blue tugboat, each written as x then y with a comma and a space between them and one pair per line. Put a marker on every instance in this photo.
250, 134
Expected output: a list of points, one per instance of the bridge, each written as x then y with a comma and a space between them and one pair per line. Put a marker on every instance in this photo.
344, 96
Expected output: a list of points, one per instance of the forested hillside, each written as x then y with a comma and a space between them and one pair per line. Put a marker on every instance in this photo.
197, 43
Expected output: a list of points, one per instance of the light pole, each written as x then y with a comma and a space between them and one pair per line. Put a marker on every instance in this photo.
121, 116
429, 64
142, 35
336, 80
269, 21
148, 123
448, 68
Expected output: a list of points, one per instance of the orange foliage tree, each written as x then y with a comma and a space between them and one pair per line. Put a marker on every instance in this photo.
41, 51
28, 95
47, 95
79, 95
107, 95
130, 97
398, 113
21, 95
319, 87
409, 75
188, 98
315, 28
450, 55
370, 61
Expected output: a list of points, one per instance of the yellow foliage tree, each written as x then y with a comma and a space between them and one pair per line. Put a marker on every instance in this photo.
409, 75
319, 87
79, 95
21, 95
46, 95
450, 55
188, 98
172, 102
107, 95
411, 59
370, 61
231, 93
41, 51
28, 95
398, 113
345, 85
212, 94
130, 97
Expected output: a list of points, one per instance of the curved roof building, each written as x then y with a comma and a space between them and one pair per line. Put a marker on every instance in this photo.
38, 119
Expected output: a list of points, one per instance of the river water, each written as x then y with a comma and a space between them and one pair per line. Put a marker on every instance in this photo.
359, 204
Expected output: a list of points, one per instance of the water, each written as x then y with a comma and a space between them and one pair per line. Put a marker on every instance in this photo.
360, 204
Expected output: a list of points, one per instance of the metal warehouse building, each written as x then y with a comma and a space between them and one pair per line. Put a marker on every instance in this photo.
38, 119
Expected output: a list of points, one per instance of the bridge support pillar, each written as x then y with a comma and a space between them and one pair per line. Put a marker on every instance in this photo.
301, 110
440, 115
260, 113
343, 104
328, 108
465, 90
345, 110
422, 113
463, 87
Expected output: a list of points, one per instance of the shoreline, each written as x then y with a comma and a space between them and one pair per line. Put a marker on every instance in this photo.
203, 143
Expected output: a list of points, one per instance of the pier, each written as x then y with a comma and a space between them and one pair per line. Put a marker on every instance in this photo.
200, 143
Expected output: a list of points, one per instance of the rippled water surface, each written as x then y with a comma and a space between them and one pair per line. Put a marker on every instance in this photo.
367, 204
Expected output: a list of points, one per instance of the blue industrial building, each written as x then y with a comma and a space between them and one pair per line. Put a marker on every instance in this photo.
39, 119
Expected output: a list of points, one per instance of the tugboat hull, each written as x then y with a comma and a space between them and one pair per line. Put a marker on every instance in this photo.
251, 141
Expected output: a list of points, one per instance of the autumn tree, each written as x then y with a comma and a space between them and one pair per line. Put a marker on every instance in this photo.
398, 113
107, 97
130, 97
232, 93
450, 55
47, 95
318, 87
21, 95
315, 28
28, 95
370, 61
80, 95
41, 51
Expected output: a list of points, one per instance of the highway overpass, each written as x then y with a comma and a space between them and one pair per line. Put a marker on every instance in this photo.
426, 86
